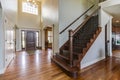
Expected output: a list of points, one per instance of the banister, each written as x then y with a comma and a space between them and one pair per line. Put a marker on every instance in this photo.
85, 21
76, 19
71, 47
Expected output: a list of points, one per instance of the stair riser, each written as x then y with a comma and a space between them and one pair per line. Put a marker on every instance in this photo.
64, 60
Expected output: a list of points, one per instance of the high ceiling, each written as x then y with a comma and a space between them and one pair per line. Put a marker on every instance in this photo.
115, 12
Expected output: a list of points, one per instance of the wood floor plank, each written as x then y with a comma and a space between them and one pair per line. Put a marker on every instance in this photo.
38, 66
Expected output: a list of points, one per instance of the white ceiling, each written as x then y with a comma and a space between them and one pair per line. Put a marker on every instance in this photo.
115, 12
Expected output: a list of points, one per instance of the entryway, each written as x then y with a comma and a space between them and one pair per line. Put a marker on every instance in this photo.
29, 40
48, 37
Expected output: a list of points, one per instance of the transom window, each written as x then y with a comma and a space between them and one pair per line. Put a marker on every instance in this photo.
29, 8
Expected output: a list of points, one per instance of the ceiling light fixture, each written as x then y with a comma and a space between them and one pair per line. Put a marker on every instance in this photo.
33, 2
117, 21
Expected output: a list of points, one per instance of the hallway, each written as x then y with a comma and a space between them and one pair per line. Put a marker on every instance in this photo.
37, 66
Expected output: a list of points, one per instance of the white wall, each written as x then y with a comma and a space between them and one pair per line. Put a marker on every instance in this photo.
50, 17
9, 11
26, 20
2, 49
9, 41
10, 8
97, 50
69, 10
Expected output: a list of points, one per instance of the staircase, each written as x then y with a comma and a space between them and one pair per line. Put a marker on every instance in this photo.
80, 40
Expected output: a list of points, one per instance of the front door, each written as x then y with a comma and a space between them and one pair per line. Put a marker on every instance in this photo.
30, 40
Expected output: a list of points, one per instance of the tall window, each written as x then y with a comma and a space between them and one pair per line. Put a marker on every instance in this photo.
30, 8
37, 39
23, 39
50, 36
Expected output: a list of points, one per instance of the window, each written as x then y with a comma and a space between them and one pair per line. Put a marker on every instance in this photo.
23, 39
49, 36
30, 8
37, 39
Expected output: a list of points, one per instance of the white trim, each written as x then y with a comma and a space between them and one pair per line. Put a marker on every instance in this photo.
111, 53
2, 71
92, 62
30, 29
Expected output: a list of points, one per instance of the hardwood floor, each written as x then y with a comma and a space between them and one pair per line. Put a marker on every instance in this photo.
37, 66
116, 53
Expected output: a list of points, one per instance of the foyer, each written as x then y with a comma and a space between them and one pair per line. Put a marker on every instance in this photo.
38, 66
59, 39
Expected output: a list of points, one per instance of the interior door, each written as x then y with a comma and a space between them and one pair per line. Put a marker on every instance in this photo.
106, 42
9, 45
30, 40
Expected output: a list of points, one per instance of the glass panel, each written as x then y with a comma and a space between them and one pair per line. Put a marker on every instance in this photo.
23, 39
50, 36
30, 8
37, 39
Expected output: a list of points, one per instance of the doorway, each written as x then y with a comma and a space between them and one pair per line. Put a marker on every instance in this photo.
29, 40
106, 42
116, 41
48, 37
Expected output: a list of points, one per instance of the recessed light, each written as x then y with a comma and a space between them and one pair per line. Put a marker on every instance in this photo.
117, 21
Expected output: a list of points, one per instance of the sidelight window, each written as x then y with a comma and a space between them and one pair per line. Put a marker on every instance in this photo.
23, 39
37, 39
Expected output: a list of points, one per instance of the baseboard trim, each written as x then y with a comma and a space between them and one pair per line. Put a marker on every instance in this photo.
2, 71
92, 62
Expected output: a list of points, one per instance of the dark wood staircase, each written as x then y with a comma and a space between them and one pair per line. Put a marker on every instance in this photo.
80, 40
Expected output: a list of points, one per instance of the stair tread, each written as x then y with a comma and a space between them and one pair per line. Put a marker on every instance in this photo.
62, 56
65, 66
78, 54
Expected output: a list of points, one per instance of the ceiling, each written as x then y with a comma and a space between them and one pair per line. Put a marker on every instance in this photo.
115, 12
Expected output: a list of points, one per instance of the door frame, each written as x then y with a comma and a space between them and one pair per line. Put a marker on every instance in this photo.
39, 39
106, 42
46, 29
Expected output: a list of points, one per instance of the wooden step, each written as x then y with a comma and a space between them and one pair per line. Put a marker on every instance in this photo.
70, 71
62, 56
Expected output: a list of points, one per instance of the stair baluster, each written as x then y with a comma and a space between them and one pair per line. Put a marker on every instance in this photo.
71, 47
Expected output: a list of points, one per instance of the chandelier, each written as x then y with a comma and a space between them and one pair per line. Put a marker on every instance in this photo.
33, 2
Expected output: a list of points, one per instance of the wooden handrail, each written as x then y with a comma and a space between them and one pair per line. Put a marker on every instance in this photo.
78, 28
76, 19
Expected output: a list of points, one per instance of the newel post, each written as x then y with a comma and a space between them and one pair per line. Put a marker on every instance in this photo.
71, 46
